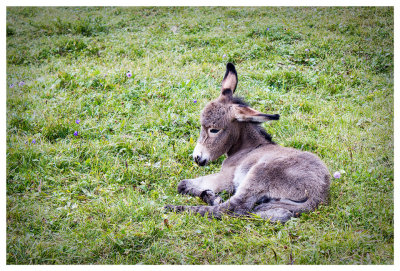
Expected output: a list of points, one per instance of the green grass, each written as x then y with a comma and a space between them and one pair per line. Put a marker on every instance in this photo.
97, 198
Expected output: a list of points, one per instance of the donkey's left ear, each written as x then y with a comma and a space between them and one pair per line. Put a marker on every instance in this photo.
246, 114
230, 80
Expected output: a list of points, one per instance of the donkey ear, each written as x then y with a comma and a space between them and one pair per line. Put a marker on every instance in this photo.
246, 114
230, 80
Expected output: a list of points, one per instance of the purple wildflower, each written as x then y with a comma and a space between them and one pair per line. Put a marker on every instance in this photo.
195, 101
336, 175
21, 83
33, 141
77, 121
12, 85
268, 29
129, 74
224, 56
307, 50
76, 133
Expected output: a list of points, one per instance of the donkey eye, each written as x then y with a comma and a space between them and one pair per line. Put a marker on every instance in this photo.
214, 131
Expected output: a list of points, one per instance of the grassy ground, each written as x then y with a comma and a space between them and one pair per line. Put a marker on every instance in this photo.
97, 197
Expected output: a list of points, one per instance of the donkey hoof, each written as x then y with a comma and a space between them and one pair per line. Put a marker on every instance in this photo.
210, 198
168, 208
206, 194
217, 200
174, 208
182, 187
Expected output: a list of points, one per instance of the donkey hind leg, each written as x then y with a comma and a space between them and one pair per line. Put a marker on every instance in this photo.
279, 211
211, 211
235, 206
274, 214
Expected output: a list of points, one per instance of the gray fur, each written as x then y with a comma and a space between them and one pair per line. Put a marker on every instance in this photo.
266, 179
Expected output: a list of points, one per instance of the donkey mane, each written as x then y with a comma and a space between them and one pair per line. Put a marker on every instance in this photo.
240, 101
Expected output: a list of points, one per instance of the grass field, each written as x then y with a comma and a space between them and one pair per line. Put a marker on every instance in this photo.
93, 155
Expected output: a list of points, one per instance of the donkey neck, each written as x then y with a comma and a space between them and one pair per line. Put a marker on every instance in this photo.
250, 137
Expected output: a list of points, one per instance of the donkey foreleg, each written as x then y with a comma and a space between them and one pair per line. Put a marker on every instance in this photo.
210, 198
206, 187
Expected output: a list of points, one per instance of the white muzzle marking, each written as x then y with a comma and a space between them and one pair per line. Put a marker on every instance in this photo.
200, 153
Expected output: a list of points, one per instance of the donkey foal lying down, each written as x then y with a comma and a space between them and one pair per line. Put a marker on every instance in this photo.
265, 179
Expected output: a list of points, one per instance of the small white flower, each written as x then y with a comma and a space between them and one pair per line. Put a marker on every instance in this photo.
336, 175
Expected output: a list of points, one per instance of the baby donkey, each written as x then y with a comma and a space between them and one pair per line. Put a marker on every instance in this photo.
266, 179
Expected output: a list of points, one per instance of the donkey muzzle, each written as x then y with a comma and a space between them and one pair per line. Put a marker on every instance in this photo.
201, 162
201, 155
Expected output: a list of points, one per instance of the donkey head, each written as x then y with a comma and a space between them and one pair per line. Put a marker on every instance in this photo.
223, 121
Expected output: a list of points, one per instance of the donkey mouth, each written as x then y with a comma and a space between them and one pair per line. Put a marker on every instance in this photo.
200, 162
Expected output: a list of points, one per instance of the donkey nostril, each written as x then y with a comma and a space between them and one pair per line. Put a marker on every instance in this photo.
201, 162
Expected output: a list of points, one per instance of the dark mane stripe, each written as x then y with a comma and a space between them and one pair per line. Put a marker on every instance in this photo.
265, 134
240, 101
